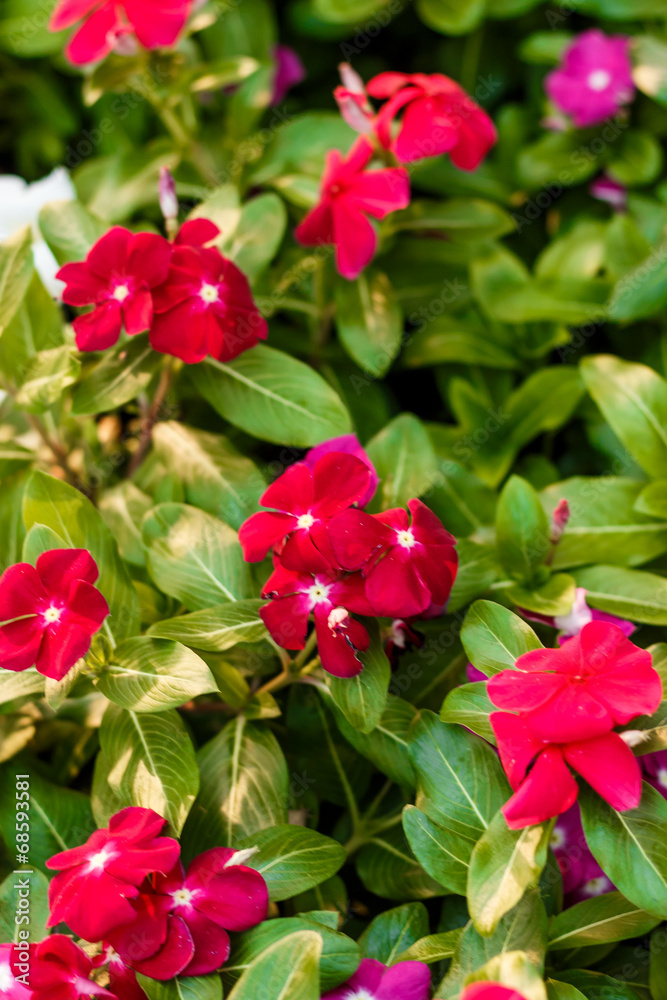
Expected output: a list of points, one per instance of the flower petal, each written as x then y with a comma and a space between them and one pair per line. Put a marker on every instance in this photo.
548, 791
610, 767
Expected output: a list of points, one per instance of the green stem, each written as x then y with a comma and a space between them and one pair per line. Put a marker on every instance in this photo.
152, 415
303, 655
347, 788
472, 50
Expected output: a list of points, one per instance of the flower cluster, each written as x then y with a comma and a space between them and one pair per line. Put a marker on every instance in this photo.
594, 79
191, 299
49, 612
559, 708
334, 560
127, 888
437, 117
116, 24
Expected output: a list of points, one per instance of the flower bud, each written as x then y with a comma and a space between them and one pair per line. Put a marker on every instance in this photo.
167, 193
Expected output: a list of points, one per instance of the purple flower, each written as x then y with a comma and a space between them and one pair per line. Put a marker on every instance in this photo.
350, 445
594, 79
580, 614
582, 875
605, 188
289, 71
473, 674
374, 981
655, 766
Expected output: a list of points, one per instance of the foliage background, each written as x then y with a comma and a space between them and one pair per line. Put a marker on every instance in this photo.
511, 325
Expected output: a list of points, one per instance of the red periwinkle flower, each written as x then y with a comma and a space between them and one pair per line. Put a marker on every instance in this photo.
350, 444
155, 23
594, 79
91, 893
490, 991
592, 683
330, 597
122, 979
15, 968
218, 894
116, 278
61, 971
204, 306
439, 117
304, 499
49, 612
409, 567
549, 789
375, 981
348, 195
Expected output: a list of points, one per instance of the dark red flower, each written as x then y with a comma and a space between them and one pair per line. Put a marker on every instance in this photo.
122, 979
49, 612
61, 971
304, 499
350, 444
116, 278
348, 195
403, 637
330, 597
182, 920
439, 118
549, 788
409, 568
96, 881
204, 305
593, 682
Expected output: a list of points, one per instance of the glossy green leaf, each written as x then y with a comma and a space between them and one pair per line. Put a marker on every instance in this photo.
287, 970
215, 629
494, 637
609, 917
522, 530
151, 675
369, 321
293, 859
362, 699
444, 855
121, 374
628, 593
16, 271
393, 931
405, 461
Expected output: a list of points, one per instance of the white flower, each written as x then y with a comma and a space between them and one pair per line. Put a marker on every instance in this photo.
20, 204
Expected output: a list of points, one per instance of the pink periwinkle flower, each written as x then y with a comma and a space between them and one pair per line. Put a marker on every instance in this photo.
655, 768
350, 445
570, 625
594, 79
288, 72
605, 188
374, 981
582, 875
62, 970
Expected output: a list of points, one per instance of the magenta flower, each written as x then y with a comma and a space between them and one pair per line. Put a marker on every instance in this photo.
122, 979
348, 195
350, 445
289, 71
655, 766
605, 188
409, 567
15, 967
582, 875
329, 597
580, 614
485, 990
61, 971
96, 881
49, 612
594, 79
374, 981
305, 498
181, 920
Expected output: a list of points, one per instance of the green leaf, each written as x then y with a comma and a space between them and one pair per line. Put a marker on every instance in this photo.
478, 570
273, 397
71, 515
293, 859
188, 988
45, 378
633, 400
555, 597
469, 705
70, 229
393, 931
432, 948
595, 984
244, 787
24, 914
258, 234
215, 629
122, 374
451, 17
151, 675
386, 745
445, 339
16, 271
388, 868
20, 685
444, 855
405, 461
522, 530
145, 760
610, 917
459, 774
650, 66
658, 968
631, 847
503, 865
369, 321
515, 971
340, 954
563, 991
494, 637
628, 593
460, 218
287, 970
637, 160
124, 507
194, 556
653, 499
362, 699
216, 477
59, 817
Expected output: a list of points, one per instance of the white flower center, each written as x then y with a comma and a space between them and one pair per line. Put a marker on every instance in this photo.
318, 593
662, 777
209, 293
405, 538
305, 521
52, 615
558, 838
6, 979
182, 897
578, 615
360, 994
599, 79
97, 861
595, 886
121, 292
